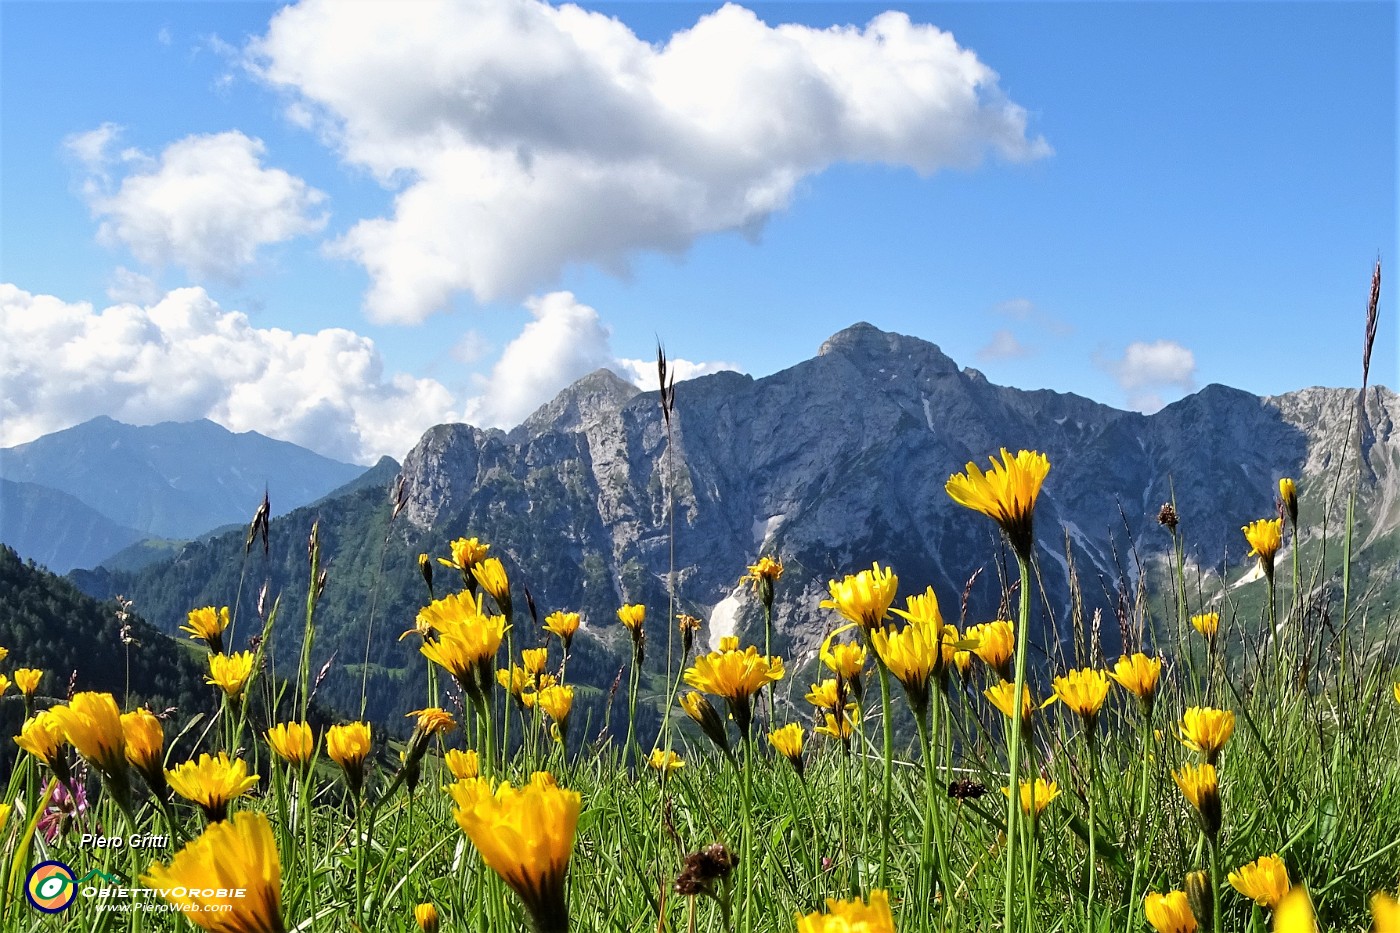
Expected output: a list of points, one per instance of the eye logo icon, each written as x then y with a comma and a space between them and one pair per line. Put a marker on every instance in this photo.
51, 887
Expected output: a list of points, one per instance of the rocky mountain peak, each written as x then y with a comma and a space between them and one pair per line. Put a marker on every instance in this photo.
866, 345
601, 393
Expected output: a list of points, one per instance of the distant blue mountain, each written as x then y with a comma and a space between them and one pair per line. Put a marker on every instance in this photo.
170, 480
56, 530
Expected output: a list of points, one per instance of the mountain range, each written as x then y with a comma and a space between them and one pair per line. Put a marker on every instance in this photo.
832, 464
79, 496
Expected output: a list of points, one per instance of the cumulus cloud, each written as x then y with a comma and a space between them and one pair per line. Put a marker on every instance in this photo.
1003, 346
1146, 370
564, 341
183, 358
525, 137
207, 203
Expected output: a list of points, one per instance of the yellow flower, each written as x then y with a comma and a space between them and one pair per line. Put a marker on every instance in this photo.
787, 741
863, 598
293, 742
1138, 674
688, 624
535, 660
228, 856
1201, 787
763, 575
1006, 493
212, 782
466, 553
230, 673
42, 736
1265, 537
562, 624
729, 643
1206, 730
556, 702
826, 695
1294, 913
736, 676
208, 624
912, 656
1288, 494
491, 575
1002, 696
1084, 692
464, 765
839, 726
845, 659
996, 644
1169, 913
1385, 912
1396, 690
92, 724
632, 615
432, 720
665, 761
855, 916
467, 637
526, 836
699, 709
4, 653
348, 746
4, 816
145, 742
515, 680
4, 684
1207, 623
1264, 880
426, 916
1035, 795
27, 680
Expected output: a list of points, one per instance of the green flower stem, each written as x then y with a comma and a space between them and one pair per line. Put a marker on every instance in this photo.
1093, 830
1013, 804
746, 860
1134, 902
1219, 920
633, 678
886, 787
934, 830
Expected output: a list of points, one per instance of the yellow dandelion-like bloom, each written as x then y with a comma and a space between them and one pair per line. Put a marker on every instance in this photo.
240, 854
1288, 495
1206, 730
4, 653
665, 761
466, 554
840, 725
826, 695
230, 673
707, 717
1138, 674
4, 684
1035, 795
467, 637
464, 765
922, 610
293, 742
4, 815
426, 916
27, 681
491, 576
211, 783
912, 656
1207, 623
1201, 787
145, 742
688, 624
564, 625
1169, 913
1003, 695
348, 745
1084, 692
42, 736
535, 660
632, 615
208, 624
515, 680
996, 645
432, 720
92, 724
557, 702
1385, 913
1265, 537
863, 598
1264, 880
1294, 913
1006, 494
729, 643
526, 835
845, 659
854, 916
1396, 690
767, 568
787, 741
736, 676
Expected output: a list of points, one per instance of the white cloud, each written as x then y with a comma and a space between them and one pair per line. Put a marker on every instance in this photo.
1003, 346
184, 358
564, 341
527, 137
207, 203
1018, 308
1147, 369
132, 287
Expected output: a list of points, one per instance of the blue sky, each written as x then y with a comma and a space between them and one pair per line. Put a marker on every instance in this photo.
341, 231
